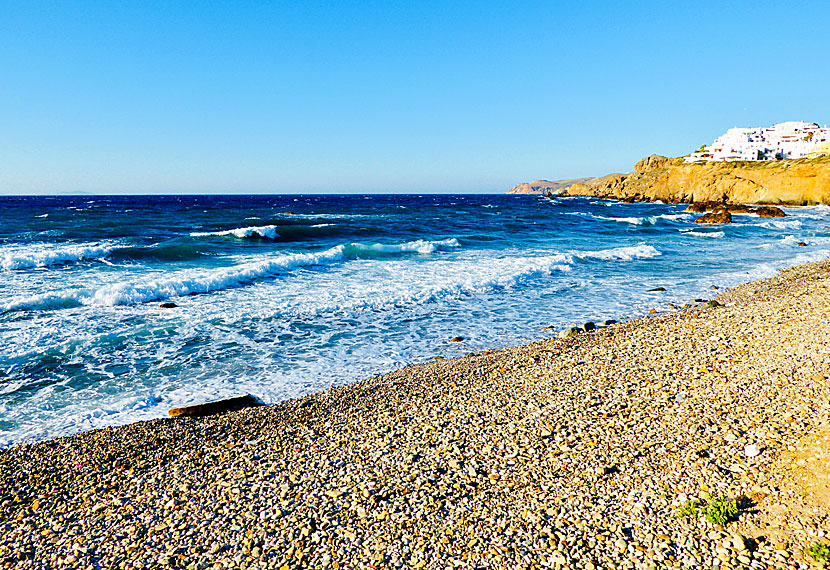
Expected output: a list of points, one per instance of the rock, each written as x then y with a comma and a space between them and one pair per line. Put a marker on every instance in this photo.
652, 162
457, 339
713, 303
218, 407
573, 331
546, 187
607, 323
652, 312
770, 212
168, 305
589, 326
717, 217
801, 244
751, 450
656, 290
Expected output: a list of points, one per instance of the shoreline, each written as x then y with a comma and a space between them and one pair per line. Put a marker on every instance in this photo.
560, 453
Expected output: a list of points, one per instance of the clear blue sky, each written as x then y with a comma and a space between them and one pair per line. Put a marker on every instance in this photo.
158, 97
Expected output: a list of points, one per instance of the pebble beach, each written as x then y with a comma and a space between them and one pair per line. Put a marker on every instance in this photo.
608, 449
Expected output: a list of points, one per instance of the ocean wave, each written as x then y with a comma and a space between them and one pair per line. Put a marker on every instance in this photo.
45, 255
269, 232
781, 224
704, 234
641, 221
192, 282
625, 253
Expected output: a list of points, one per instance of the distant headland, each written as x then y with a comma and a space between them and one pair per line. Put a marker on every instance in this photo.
788, 163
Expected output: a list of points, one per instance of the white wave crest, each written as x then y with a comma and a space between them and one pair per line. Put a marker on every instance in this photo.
417, 246
269, 232
704, 234
190, 282
44, 255
781, 224
626, 253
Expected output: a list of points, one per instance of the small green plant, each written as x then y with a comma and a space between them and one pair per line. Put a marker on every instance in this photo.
719, 510
688, 510
819, 551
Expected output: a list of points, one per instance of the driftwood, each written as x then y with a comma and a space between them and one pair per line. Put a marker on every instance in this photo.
210, 408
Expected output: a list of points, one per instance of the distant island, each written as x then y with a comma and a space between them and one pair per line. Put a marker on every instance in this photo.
788, 163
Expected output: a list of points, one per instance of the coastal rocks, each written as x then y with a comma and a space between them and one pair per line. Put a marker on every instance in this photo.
769, 212
218, 407
168, 305
457, 339
589, 326
671, 180
717, 217
652, 162
656, 290
548, 187
569, 332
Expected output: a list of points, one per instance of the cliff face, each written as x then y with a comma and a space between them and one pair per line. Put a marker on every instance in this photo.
545, 186
797, 182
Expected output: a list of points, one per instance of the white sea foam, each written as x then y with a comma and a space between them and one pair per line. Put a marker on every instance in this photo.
269, 232
782, 224
191, 282
44, 255
704, 234
626, 253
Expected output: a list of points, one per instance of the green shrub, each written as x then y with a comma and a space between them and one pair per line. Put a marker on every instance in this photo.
819, 551
719, 510
688, 510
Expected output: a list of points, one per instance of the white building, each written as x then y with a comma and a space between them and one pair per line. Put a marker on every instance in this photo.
793, 139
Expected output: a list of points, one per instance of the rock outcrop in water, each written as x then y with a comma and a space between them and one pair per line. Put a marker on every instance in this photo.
717, 217
794, 182
546, 186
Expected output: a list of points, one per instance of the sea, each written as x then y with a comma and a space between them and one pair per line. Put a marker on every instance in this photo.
114, 309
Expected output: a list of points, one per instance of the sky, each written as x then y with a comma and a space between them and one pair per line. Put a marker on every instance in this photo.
341, 96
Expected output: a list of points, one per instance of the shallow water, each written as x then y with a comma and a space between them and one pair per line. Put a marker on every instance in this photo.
279, 296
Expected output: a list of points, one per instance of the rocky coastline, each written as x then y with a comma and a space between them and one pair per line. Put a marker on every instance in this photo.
784, 182
694, 438
789, 182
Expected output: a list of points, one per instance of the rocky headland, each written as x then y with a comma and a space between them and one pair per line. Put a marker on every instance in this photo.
696, 438
671, 180
546, 186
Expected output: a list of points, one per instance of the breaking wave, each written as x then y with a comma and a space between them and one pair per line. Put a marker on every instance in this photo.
190, 282
45, 255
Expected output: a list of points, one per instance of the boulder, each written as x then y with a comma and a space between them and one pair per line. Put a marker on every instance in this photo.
567, 333
770, 212
716, 217
218, 407
168, 305
589, 326
457, 339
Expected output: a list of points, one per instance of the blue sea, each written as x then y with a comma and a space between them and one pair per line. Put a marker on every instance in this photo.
279, 296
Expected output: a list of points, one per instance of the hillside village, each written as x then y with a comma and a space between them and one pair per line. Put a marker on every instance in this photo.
789, 140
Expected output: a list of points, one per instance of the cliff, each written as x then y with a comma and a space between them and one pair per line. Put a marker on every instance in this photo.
796, 182
546, 186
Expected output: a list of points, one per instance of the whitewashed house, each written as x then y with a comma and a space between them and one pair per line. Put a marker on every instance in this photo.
793, 139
